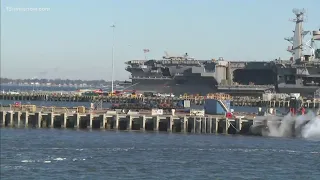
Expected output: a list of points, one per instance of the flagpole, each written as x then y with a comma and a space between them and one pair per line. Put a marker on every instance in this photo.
112, 73
145, 53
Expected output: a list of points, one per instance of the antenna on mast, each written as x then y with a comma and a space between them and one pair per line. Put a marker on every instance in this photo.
297, 39
306, 19
297, 11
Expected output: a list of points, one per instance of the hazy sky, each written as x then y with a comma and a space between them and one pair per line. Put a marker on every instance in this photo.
73, 39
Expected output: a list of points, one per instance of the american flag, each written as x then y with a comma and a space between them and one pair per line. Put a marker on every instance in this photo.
146, 50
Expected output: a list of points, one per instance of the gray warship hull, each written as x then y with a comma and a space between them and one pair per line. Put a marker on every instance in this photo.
179, 75
171, 86
210, 77
304, 91
248, 78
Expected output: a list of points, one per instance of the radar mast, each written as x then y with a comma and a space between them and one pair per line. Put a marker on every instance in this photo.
297, 39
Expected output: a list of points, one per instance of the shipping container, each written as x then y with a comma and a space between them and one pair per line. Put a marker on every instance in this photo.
183, 111
296, 95
215, 107
186, 103
155, 112
267, 97
179, 103
81, 109
197, 112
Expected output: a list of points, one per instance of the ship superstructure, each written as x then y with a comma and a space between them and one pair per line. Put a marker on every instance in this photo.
175, 74
182, 74
302, 72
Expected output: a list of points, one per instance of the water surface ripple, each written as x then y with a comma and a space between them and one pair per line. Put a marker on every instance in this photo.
74, 154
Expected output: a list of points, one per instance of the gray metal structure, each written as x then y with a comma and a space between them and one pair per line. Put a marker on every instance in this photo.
178, 75
302, 73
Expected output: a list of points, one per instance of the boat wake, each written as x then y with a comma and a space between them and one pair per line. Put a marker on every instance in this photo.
304, 126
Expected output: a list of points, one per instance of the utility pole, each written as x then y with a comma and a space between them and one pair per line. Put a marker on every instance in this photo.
112, 75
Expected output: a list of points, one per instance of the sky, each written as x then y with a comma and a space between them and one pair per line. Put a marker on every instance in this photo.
73, 38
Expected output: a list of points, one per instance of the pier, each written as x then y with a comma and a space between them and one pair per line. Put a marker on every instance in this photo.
197, 100
111, 120
272, 103
71, 97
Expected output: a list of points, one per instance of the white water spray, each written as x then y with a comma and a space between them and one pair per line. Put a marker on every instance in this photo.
305, 126
312, 129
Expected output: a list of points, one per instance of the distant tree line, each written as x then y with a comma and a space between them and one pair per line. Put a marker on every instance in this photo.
55, 81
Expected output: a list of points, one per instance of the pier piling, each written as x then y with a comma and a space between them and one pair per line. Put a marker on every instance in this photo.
114, 121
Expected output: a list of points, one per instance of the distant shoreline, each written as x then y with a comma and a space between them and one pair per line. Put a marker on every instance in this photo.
56, 82
45, 85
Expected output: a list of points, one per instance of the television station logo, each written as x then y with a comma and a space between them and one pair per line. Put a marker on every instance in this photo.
27, 9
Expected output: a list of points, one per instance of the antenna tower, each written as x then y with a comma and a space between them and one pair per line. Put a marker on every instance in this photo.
299, 33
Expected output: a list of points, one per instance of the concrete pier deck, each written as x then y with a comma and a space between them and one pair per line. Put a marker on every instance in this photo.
50, 96
111, 120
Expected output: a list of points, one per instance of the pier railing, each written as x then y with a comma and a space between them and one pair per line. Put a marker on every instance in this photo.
197, 100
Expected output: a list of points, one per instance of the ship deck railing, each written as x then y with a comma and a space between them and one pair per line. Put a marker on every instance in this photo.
141, 77
245, 86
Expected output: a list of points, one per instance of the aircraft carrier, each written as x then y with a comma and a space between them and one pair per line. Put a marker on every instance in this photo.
182, 74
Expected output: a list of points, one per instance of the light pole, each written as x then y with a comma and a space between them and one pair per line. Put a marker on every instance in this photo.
33, 83
112, 73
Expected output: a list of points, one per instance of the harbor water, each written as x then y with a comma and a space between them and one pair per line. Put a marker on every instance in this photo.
70, 154
84, 154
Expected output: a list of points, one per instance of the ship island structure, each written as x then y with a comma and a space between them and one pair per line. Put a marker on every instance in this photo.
179, 75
